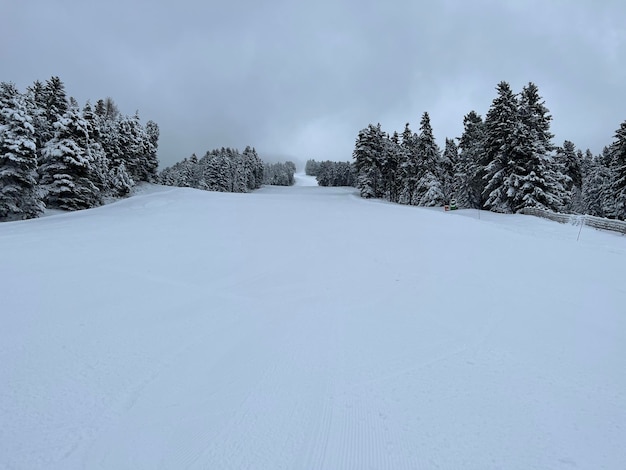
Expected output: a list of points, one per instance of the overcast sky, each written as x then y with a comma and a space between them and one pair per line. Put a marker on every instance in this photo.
300, 79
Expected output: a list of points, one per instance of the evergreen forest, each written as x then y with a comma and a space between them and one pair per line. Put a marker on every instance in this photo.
55, 154
503, 163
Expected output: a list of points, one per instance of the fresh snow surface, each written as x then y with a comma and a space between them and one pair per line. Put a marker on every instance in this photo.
304, 180
307, 328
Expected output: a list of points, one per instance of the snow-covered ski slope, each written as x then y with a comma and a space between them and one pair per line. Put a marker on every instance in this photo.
306, 328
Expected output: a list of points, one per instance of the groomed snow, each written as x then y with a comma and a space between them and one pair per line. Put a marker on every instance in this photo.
306, 328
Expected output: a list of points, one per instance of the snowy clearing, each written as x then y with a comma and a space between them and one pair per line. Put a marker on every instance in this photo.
306, 328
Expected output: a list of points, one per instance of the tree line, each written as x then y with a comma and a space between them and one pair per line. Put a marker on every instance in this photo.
503, 163
225, 170
228, 170
54, 154
329, 173
279, 174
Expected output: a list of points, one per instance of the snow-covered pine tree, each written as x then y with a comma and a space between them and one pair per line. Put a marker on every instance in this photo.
100, 163
36, 99
586, 161
132, 146
311, 167
501, 127
151, 161
390, 163
67, 169
120, 181
167, 176
193, 171
291, 171
367, 157
449, 161
56, 105
534, 179
179, 174
110, 141
106, 109
239, 174
8, 92
597, 196
408, 168
100, 109
124, 140
325, 173
19, 195
429, 190
217, 172
173, 176
247, 161
469, 171
618, 172
254, 168
346, 174
570, 163
259, 169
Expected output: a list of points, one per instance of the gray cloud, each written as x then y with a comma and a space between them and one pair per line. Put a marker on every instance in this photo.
300, 79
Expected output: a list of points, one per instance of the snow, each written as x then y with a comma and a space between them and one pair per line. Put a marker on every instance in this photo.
305, 180
306, 328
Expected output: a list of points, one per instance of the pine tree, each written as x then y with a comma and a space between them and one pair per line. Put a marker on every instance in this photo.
586, 162
449, 161
151, 163
8, 93
192, 169
253, 168
501, 126
108, 138
100, 109
120, 181
129, 146
618, 172
534, 181
429, 191
37, 101
19, 194
367, 158
8, 96
325, 174
239, 174
596, 190
311, 167
542, 183
97, 155
55, 105
106, 109
217, 173
128, 142
408, 167
118, 141
67, 173
390, 162
570, 164
469, 172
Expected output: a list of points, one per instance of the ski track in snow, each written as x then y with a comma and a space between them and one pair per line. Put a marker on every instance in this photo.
307, 328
